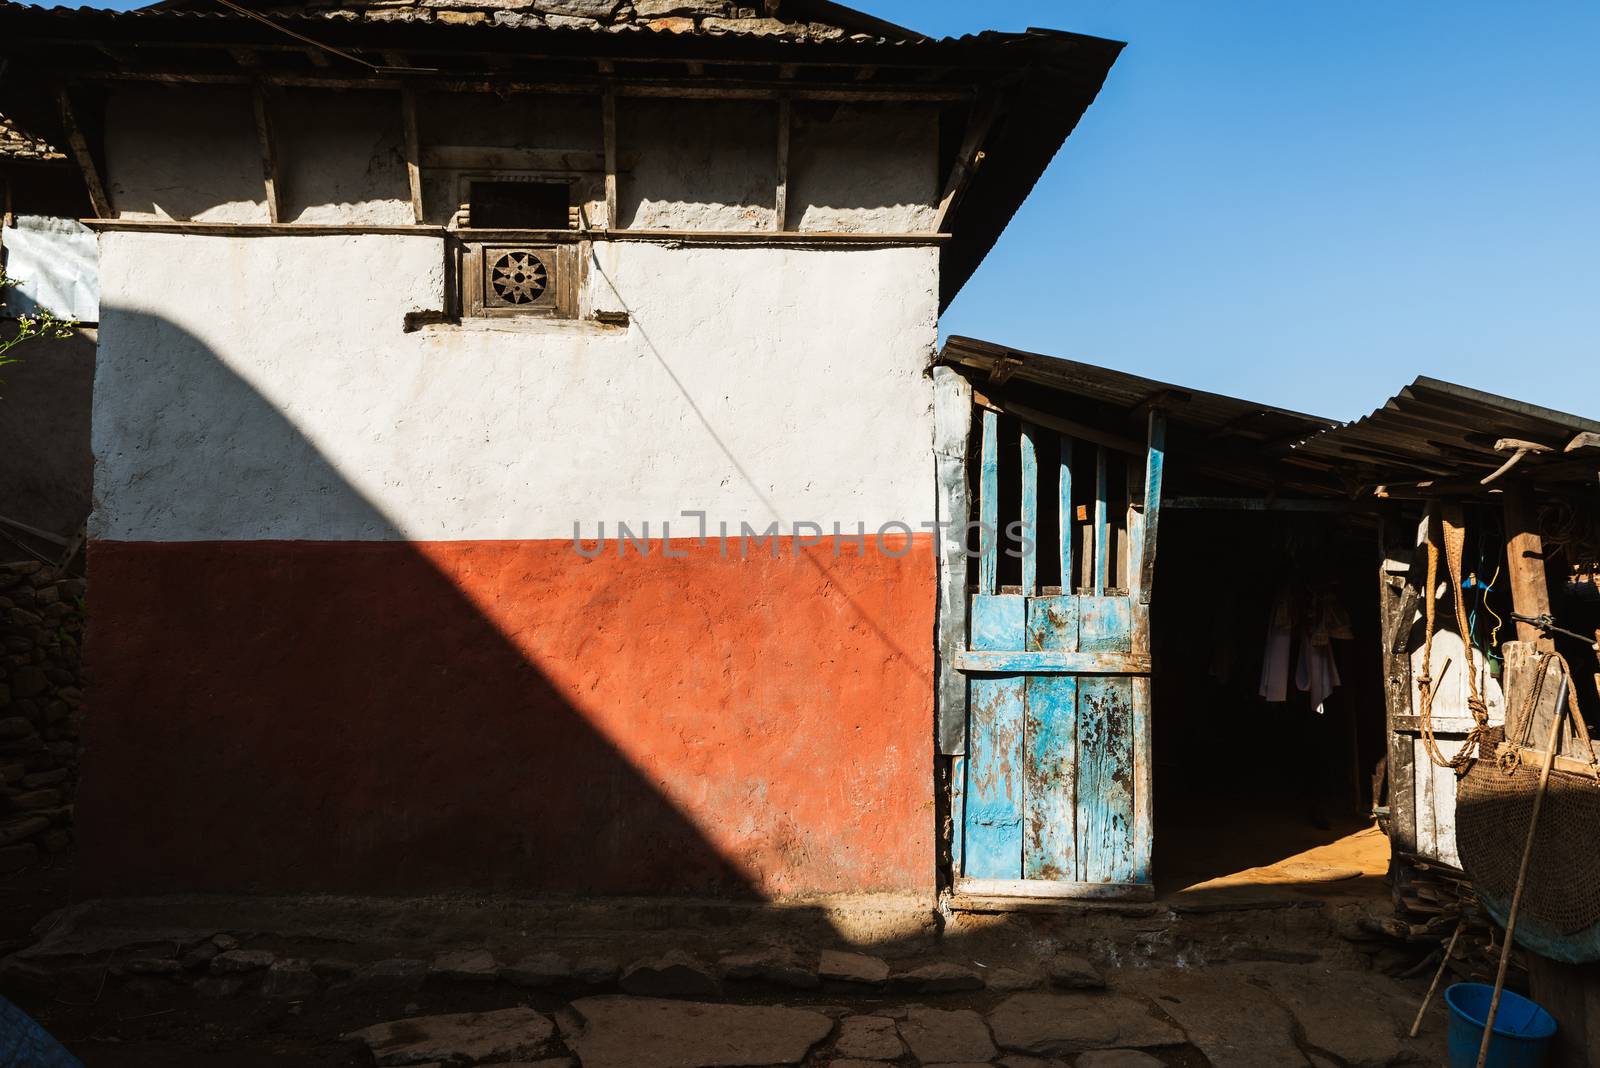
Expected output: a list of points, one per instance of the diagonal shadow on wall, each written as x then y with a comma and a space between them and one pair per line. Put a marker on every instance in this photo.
337, 715
380, 715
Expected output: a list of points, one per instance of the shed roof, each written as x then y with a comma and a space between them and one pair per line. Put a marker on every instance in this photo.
17, 145
1432, 438
1008, 99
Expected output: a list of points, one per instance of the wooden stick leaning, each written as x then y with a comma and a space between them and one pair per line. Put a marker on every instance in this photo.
1427, 998
1522, 869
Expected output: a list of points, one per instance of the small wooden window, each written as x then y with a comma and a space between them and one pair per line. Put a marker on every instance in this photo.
520, 205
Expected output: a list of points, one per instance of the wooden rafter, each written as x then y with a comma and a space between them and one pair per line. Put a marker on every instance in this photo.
608, 112
780, 220
655, 88
80, 152
968, 158
269, 155
408, 116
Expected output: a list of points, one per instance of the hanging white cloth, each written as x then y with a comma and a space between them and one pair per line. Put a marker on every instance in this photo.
1275, 658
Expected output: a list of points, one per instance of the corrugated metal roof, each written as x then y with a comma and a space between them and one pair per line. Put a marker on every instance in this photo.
1042, 80
1431, 431
1434, 429
1212, 412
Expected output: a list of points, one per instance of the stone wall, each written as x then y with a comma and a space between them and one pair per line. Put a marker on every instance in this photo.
41, 625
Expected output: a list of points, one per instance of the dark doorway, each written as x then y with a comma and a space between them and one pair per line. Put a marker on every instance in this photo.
1244, 781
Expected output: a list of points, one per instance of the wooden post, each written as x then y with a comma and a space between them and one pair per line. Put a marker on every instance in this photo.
608, 116
408, 112
1530, 596
781, 208
269, 155
80, 151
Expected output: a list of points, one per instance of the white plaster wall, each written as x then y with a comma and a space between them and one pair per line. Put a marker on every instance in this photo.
263, 388
702, 165
184, 153
341, 158
855, 167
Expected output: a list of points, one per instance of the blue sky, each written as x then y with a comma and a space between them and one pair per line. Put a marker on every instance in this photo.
1308, 204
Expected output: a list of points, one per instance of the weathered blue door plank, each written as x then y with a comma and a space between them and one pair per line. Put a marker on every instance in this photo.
1102, 524
1030, 508
1050, 783
1052, 624
995, 754
1155, 462
1143, 782
1106, 779
1064, 524
1105, 625
958, 812
989, 505
1055, 786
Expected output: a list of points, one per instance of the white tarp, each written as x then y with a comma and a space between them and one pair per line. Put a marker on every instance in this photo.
56, 265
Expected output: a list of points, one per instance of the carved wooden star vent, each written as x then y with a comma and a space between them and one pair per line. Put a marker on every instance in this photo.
518, 277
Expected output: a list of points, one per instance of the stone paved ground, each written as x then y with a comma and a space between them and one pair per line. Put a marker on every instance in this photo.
1299, 982
460, 1010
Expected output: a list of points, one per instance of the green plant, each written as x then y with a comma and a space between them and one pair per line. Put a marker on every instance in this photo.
42, 325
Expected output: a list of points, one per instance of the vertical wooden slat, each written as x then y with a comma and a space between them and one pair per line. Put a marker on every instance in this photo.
608, 115
995, 747
1102, 529
269, 154
1143, 781
958, 814
80, 152
781, 209
989, 504
1154, 465
408, 118
1105, 746
1030, 509
952, 421
1105, 778
1064, 492
1050, 781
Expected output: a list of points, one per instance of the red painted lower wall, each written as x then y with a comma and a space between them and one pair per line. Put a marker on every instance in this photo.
396, 717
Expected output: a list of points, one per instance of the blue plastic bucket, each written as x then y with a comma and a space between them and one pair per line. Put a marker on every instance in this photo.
1522, 1030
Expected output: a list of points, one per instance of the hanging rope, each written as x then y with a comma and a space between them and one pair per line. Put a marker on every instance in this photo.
1455, 536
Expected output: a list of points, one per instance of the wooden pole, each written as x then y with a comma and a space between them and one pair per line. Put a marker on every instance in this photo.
1522, 869
1427, 999
1525, 559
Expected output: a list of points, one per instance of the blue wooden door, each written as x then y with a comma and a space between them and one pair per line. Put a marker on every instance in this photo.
1052, 797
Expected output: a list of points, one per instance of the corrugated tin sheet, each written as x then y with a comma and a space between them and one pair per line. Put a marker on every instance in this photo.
1431, 431
1043, 80
1210, 412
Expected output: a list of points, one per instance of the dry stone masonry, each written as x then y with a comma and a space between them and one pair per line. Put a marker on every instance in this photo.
41, 707
712, 17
